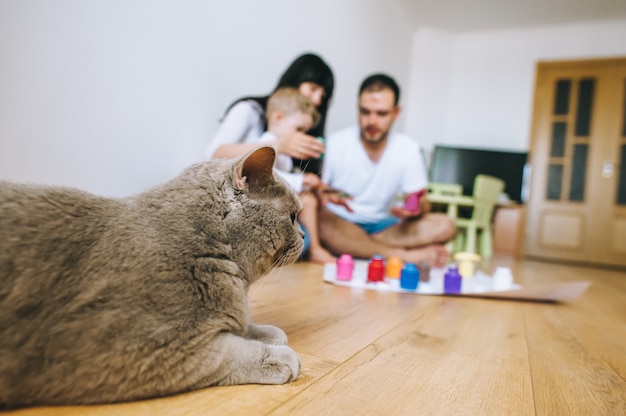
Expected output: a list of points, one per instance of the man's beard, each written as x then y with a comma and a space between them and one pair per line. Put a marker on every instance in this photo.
379, 137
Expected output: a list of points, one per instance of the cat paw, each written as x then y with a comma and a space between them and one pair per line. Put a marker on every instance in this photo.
280, 365
267, 334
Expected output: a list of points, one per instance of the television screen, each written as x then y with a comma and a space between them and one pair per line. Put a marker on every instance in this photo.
461, 165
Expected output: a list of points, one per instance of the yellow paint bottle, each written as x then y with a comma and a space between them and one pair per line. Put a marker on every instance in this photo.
467, 263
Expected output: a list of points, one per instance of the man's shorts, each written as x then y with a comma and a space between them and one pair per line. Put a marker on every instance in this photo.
307, 239
376, 227
370, 228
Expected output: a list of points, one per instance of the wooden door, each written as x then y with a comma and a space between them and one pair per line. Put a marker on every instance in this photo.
577, 201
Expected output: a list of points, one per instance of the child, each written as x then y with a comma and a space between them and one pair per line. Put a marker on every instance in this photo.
289, 111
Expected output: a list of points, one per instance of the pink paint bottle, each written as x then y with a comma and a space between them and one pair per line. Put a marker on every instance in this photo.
412, 201
345, 267
376, 269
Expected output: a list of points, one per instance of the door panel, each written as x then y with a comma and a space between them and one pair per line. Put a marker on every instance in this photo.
576, 207
612, 174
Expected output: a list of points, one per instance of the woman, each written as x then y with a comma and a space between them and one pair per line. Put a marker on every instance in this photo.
244, 125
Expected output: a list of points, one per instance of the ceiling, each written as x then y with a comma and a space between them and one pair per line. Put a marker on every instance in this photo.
478, 15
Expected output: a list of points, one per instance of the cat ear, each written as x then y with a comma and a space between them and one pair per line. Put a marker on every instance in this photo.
255, 169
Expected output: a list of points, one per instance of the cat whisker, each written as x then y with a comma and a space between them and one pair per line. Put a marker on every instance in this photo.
276, 265
306, 165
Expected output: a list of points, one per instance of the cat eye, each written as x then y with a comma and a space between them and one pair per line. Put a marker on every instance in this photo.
293, 217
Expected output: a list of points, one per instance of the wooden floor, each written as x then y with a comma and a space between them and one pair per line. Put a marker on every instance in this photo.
381, 353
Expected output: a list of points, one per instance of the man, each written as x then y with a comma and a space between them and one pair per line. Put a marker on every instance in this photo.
372, 165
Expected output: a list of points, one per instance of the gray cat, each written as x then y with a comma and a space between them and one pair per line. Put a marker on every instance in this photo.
107, 300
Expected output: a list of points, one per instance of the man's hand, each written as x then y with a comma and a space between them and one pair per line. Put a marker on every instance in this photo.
415, 204
326, 195
404, 214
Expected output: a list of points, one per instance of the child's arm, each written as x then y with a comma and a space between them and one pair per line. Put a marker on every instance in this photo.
298, 145
326, 194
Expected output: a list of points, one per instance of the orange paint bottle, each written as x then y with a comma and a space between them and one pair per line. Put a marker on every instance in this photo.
394, 268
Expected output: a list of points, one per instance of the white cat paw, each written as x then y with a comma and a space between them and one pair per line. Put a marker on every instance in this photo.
280, 365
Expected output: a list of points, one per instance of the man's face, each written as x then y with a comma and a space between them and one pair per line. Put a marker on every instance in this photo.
377, 113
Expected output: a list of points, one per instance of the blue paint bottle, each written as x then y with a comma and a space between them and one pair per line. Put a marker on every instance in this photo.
410, 276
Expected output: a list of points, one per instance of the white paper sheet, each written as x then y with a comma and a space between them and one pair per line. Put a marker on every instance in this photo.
481, 285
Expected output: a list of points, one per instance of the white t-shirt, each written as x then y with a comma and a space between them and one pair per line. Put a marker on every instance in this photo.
244, 123
373, 185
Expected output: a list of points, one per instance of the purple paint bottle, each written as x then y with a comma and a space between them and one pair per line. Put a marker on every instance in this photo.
345, 267
452, 281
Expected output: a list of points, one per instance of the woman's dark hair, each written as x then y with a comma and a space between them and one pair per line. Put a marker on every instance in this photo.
311, 68
305, 68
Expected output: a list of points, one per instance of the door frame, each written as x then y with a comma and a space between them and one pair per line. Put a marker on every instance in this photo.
539, 156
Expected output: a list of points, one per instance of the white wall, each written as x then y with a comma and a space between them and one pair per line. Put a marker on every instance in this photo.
426, 101
113, 96
476, 89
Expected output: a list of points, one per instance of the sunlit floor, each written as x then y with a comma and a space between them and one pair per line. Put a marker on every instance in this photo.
369, 352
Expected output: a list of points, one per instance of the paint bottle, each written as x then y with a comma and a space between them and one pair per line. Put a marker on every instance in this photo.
502, 279
376, 269
424, 268
411, 203
409, 279
467, 262
394, 267
452, 281
345, 267
322, 141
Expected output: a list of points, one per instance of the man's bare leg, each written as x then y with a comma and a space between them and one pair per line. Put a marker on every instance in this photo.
432, 228
341, 236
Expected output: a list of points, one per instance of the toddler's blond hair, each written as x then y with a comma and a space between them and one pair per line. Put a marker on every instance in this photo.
289, 100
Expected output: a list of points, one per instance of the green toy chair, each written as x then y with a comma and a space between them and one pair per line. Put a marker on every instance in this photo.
446, 190
476, 230
450, 189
